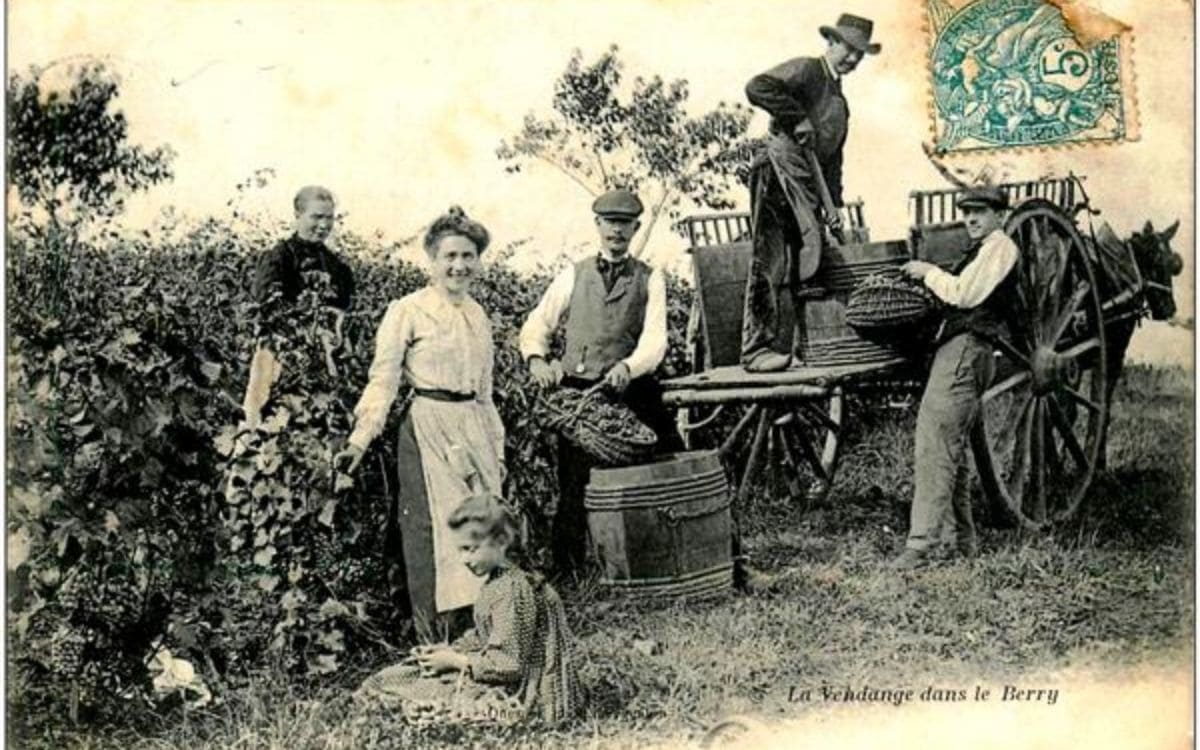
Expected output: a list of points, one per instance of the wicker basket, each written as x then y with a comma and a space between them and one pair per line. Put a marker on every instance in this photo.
888, 305
587, 419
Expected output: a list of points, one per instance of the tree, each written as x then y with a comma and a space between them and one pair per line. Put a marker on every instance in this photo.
67, 144
69, 158
601, 136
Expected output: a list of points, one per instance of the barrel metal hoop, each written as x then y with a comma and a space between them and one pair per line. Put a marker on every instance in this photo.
672, 585
606, 499
617, 505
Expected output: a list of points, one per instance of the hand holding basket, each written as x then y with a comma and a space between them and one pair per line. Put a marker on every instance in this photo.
892, 307
607, 431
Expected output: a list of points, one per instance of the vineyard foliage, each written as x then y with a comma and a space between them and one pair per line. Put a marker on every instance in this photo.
143, 516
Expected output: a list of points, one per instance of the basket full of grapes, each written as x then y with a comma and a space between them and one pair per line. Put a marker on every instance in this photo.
608, 431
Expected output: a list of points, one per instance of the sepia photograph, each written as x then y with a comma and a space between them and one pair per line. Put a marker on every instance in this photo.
600, 374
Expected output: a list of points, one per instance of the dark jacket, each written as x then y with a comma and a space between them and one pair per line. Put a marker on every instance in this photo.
801, 89
282, 266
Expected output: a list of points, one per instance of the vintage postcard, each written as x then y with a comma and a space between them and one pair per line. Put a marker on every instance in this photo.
590, 374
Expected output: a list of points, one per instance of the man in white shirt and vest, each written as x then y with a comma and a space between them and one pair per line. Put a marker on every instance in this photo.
614, 308
979, 294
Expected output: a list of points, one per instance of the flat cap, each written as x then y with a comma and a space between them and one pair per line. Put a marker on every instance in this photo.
986, 195
618, 203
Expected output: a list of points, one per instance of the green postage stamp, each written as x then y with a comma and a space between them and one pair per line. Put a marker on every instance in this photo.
1028, 73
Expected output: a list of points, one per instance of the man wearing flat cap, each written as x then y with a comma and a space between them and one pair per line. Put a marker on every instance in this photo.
809, 117
979, 293
614, 309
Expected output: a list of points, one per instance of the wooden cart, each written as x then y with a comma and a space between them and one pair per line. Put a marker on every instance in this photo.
1041, 434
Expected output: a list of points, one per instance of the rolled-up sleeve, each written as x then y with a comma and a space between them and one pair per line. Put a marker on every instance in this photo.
970, 288
539, 327
652, 343
384, 377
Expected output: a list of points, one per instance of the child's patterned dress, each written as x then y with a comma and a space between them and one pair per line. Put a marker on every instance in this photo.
520, 656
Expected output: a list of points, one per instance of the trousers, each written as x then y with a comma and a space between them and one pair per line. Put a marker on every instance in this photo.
941, 518
569, 530
787, 242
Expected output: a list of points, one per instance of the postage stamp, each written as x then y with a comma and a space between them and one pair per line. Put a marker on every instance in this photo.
1028, 73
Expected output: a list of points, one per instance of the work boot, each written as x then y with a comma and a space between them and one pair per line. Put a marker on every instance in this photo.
910, 559
768, 361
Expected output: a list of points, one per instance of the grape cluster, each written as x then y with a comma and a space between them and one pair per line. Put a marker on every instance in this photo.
325, 559
77, 593
113, 602
118, 603
67, 648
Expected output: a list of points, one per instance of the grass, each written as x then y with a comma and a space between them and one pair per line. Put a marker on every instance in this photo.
1112, 590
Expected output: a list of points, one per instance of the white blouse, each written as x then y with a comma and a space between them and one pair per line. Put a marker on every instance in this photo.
431, 342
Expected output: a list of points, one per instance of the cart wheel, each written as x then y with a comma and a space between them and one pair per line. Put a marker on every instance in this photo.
1039, 436
798, 441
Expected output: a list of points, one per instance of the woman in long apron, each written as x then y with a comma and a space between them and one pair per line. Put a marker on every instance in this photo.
439, 341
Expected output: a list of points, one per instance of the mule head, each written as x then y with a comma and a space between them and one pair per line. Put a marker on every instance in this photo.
1158, 264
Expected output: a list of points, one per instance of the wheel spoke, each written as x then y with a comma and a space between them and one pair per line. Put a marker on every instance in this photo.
1082, 348
1009, 350
1065, 431
1006, 385
1025, 294
1035, 235
1044, 278
1037, 458
1067, 313
1068, 263
1020, 458
1081, 399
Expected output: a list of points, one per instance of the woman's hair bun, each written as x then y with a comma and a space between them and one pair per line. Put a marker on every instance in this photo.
455, 223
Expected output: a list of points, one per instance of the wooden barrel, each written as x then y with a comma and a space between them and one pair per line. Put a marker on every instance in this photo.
822, 335
663, 528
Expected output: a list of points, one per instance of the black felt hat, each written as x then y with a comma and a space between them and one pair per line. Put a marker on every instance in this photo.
854, 31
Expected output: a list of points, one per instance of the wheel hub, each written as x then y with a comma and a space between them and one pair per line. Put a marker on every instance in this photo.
1051, 369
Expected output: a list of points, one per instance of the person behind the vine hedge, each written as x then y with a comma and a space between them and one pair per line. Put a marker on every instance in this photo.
437, 340
280, 277
515, 665
614, 309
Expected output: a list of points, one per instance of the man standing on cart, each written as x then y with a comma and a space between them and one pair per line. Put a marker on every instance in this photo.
979, 293
802, 160
614, 309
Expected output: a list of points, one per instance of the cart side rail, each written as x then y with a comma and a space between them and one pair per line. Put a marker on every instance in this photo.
934, 207
731, 227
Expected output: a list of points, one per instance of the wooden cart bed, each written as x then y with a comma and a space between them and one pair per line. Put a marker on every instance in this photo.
732, 384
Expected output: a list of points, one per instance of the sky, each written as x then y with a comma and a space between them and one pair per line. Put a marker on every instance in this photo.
399, 106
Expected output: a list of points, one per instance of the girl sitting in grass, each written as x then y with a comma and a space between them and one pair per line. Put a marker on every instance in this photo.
516, 662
